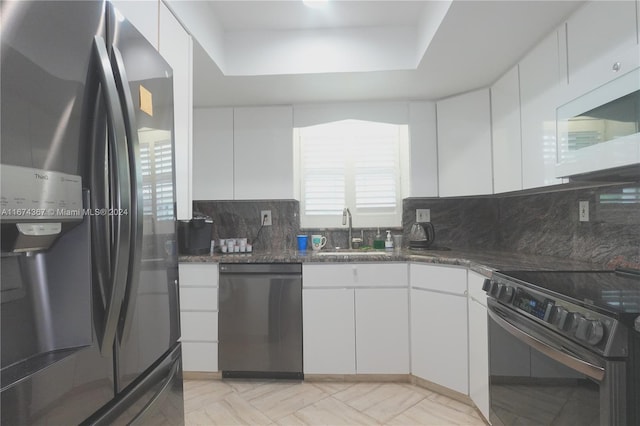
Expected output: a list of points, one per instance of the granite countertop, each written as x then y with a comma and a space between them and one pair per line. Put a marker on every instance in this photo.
483, 262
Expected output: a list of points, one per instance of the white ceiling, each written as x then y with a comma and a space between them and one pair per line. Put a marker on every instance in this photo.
294, 15
476, 42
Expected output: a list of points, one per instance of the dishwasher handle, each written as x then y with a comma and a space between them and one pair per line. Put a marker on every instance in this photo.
260, 268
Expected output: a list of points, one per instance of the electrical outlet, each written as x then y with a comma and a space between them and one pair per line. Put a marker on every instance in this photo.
265, 217
583, 207
423, 215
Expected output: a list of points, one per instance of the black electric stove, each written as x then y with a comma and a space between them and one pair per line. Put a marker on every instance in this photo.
585, 321
595, 309
613, 293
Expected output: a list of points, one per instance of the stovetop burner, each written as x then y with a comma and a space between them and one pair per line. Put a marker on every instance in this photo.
617, 292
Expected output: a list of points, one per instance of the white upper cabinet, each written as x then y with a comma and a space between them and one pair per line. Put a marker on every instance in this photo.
602, 36
423, 148
213, 154
263, 153
507, 142
464, 145
175, 46
143, 15
540, 75
243, 153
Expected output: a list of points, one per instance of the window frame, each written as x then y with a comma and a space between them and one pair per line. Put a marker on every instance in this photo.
361, 219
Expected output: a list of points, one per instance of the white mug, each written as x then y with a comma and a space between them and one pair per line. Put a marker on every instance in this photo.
318, 241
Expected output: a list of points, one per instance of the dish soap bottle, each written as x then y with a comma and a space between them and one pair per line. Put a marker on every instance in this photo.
378, 242
388, 243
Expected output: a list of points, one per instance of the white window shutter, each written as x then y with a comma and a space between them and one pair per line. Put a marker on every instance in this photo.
350, 164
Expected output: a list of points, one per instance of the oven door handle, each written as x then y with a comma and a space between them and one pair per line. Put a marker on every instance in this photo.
594, 371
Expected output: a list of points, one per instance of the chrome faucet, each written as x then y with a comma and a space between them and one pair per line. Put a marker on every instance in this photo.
346, 212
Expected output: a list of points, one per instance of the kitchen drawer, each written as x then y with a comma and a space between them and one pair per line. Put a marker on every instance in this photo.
439, 278
198, 299
199, 356
355, 275
199, 326
198, 274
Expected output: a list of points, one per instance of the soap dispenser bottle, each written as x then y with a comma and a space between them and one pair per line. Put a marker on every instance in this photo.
378, 242
388, 243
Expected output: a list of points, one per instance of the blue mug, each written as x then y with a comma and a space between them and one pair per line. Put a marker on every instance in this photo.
302, 242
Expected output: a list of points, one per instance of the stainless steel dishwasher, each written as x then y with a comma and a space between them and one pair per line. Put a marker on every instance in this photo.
260, 320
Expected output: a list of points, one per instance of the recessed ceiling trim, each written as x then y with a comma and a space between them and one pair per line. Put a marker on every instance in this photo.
315, 4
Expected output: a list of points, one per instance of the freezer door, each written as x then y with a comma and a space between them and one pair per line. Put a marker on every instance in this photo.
155, 398
149, 324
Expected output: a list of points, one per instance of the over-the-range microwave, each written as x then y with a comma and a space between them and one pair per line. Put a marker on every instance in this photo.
599, 132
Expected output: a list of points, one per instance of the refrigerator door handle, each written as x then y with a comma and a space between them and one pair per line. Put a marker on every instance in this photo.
119, 209
136, 213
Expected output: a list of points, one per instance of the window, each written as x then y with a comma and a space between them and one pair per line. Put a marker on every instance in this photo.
354, 164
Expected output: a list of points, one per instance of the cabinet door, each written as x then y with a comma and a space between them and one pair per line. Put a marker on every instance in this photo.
539, 86
439, 339
507, 143
478, 345
446, 279
213, 154
175, 46
423, 148
464, 145
355, 275
263, 153
600, 34
382, 331
329, 340
199, 316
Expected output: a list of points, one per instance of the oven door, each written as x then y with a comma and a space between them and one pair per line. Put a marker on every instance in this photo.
539, 377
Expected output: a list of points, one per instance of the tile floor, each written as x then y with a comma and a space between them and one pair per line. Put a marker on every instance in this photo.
248, 402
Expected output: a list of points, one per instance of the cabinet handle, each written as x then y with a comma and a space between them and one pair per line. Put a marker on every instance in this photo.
616, 66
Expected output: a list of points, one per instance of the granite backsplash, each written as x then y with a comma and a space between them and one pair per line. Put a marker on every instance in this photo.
538, 224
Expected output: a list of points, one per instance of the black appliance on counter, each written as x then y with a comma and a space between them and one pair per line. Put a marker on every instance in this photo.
89, 296
564, 347
194, 236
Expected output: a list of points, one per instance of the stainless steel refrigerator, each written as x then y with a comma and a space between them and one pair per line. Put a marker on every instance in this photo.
89, 284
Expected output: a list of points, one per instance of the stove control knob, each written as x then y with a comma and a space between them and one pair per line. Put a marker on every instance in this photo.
571, 325
558, 316
486, 285
496, 289
590, 331
506, 293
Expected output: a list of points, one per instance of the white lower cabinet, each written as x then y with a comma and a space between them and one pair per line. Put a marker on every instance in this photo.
382, 331
478, 344
439, 340
199, 316
355, 318
199, 356
328, 330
